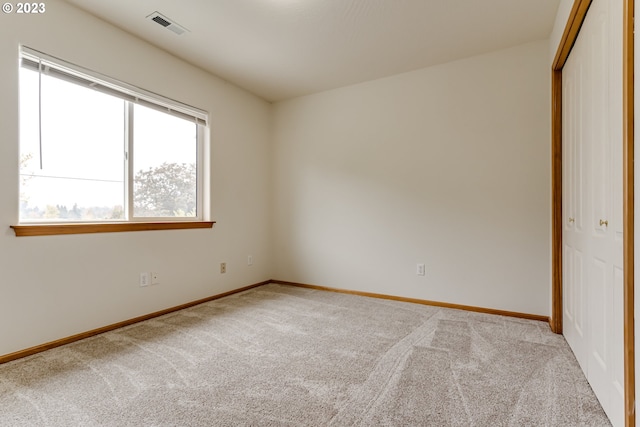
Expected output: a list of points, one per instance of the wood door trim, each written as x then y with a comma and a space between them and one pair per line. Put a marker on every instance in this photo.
628, 211
572, 29
556, 194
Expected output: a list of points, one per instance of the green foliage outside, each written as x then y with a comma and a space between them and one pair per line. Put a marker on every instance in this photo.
168, 190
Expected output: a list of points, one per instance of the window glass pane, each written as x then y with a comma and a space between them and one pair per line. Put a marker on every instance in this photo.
164, 162
80, 175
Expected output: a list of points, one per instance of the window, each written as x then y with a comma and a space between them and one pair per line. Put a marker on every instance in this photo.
96, 150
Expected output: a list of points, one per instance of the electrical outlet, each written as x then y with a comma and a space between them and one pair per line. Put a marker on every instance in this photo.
155, 278
144, 279
223, 267
420, 270
250, 260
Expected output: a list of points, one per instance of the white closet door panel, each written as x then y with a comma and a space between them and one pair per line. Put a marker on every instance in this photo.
574, 288
575, 304
598, 123
617, 351
615, 214
569, 293
599, 312
579, 152
568, 164
580, 294
575, 207
592, 174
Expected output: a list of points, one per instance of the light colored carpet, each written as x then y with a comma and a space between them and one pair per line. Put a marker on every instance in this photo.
285, 356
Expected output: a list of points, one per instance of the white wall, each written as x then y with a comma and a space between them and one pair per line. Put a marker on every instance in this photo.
53, 287
350, 188
447, 166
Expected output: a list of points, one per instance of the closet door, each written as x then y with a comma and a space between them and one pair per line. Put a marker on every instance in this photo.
574, 151
592, 205
605, 359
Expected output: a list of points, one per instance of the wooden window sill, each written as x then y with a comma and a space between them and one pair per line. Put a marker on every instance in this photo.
55, 229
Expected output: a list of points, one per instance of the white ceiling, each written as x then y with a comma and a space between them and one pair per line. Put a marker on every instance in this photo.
279, 49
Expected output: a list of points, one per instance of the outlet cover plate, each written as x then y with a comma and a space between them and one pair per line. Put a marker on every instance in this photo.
144, 279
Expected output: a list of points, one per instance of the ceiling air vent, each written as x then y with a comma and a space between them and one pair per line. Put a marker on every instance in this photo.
160, 19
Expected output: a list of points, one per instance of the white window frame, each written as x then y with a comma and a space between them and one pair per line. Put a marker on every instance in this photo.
59, 68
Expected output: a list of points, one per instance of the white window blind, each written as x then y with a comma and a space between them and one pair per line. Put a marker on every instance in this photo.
54, 67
